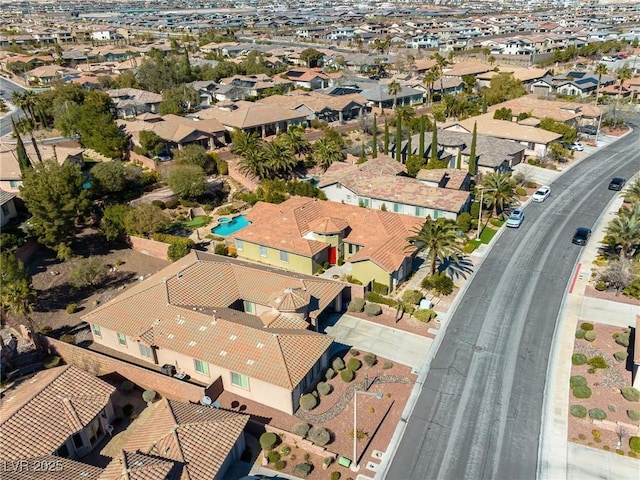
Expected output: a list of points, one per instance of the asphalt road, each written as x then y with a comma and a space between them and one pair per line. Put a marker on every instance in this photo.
479, 413
6, 90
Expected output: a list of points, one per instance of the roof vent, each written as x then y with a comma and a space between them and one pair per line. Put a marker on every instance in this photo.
191, 343
232, 337
249, 362
171, 336
202, 328
223, 353
260, 345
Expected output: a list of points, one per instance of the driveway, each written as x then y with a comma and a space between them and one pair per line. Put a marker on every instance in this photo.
379, 339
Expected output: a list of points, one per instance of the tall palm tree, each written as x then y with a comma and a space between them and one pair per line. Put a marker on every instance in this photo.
280, 158
244, 143
623, 74
601, 69
499, 191
632, 194
441, 63
294, 138
325, 152
429, 80
439, 238
394, 88
623, 232
253, 164
406, 112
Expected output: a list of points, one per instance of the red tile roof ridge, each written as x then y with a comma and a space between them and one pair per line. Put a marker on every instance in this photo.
72, 415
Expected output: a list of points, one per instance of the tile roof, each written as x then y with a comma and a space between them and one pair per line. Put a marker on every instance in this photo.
315, 101
174, 128
453, 179
191, 316
67, 394
558, 110
50, 467
9, 168
5, 196
383, 165
286, 227
178, 441
520, 73
466, 68
252, 115
487, 125
492, 152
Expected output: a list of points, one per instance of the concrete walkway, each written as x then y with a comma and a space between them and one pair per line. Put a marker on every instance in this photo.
381, 340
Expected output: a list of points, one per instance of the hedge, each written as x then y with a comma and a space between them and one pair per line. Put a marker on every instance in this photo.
320, 436
346, 375
268, 440
324, 388
330, 373
302, 470
634, 444
337, 364
580, 334
586, 326
354, 364
380, 288
620, 356
377, 298
308, 402
372, 309
356, 305
631, 394
622, 339
301, 429
412, 296
578, 359
577, 381
178, 246
582, 392
578, 411
597, 414
424, 315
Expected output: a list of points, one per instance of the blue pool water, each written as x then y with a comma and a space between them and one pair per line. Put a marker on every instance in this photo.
227, 227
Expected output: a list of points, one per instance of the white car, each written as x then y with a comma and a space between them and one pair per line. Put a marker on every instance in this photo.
515, 219
541, 194
576, 147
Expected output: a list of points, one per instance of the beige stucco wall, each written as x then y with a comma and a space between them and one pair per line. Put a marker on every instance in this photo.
296, 263
366, 271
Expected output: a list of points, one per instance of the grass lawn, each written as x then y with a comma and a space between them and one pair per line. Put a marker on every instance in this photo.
197, 222
487, 234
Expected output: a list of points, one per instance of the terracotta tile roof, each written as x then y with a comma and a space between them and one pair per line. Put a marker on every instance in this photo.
178, 441
383, 165
67, 394
190, 316
253, 115
452, 178
487, 125
174, 128
50, 467
555, 109
286, 226
315, 101
520, 73
9, 169
492, 152
466, 68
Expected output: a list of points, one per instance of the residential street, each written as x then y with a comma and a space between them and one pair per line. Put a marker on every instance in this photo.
7, 88
478, 414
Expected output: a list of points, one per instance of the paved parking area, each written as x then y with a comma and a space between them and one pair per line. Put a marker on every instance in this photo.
396, 345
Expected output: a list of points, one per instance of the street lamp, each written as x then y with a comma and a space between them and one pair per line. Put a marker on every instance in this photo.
354, 465
480, 210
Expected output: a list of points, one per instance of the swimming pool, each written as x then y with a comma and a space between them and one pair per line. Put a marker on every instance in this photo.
227, 226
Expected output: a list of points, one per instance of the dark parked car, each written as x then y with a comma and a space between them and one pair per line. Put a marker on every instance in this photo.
581, 236
616, 183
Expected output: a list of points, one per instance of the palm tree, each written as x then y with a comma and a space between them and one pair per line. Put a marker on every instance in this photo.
441, 62
253, 164
623, 232
325, 152
394, 88
294, 138
406, 112
623, 74
601, 69
244, 143
499, 191
632, 195
439, 237
280, 158
429, 80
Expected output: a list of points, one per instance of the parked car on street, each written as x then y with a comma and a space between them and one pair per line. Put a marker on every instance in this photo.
581, 236
617, 183
541, 194
515, 219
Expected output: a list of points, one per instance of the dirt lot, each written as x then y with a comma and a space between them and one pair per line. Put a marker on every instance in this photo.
51, 279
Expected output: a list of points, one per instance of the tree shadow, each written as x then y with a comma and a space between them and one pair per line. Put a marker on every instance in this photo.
457, 268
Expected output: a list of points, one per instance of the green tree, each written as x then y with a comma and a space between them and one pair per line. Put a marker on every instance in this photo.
112, 224
386, 136
441, 63
438, 238
473, 157
187, 181
398, 145
151, 142
429, 80
568, 133
499, 191
194, 155
325, 152
23, 159
108, 177
503, 114
243, 143
421, 148
601, 69
439, 112
502, 87
280, 158
433, 153
178, 101
557, 152
54, 196
374, 138
632, 193
88, 272
295, 140
253, 163
145, 219
623, 74
393, 89
623, 232
311, 57
414, 164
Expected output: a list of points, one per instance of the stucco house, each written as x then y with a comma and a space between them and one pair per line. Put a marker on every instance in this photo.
320, 106
309, 78
303, 234
382, 183
220, 320
7, 207
62, 411
130, 102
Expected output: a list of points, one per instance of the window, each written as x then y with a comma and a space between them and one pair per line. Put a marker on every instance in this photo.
239, 245
437, 214
250, 307
78, 442
96, 330
263, 251
398, 207
201, 367
420, 212
240, 380
122, 339
145, 351
15, 183
284, 257
363, 202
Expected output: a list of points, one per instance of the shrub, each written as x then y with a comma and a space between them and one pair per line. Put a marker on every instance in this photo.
631, 394
171, 203
590, 336
273, 456
597, 414
337, 364
284, 451
127, 410
354, 364
621, 356
623, 339
634, 444
72, 308
372, 309
601, 286
149, 396
634, 415
324, 388
46, 330
577, 381
68, 338
280, 465
346, 375
268, 440
335, 475
612, 408
468, 247
356, 305
221, 249
424, 315
387, 365
330, 373
308, 402
320, 436
380, 288
521, 192
51, 361
464, 221
369, 359
376, 298
578, 359
597, 362
442, 284
586, 326
582, 392
301, 429
126, 386
302, 470
580, 334
531, 184
578, 411
412, 296
159, 203
354, 352
223, 167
